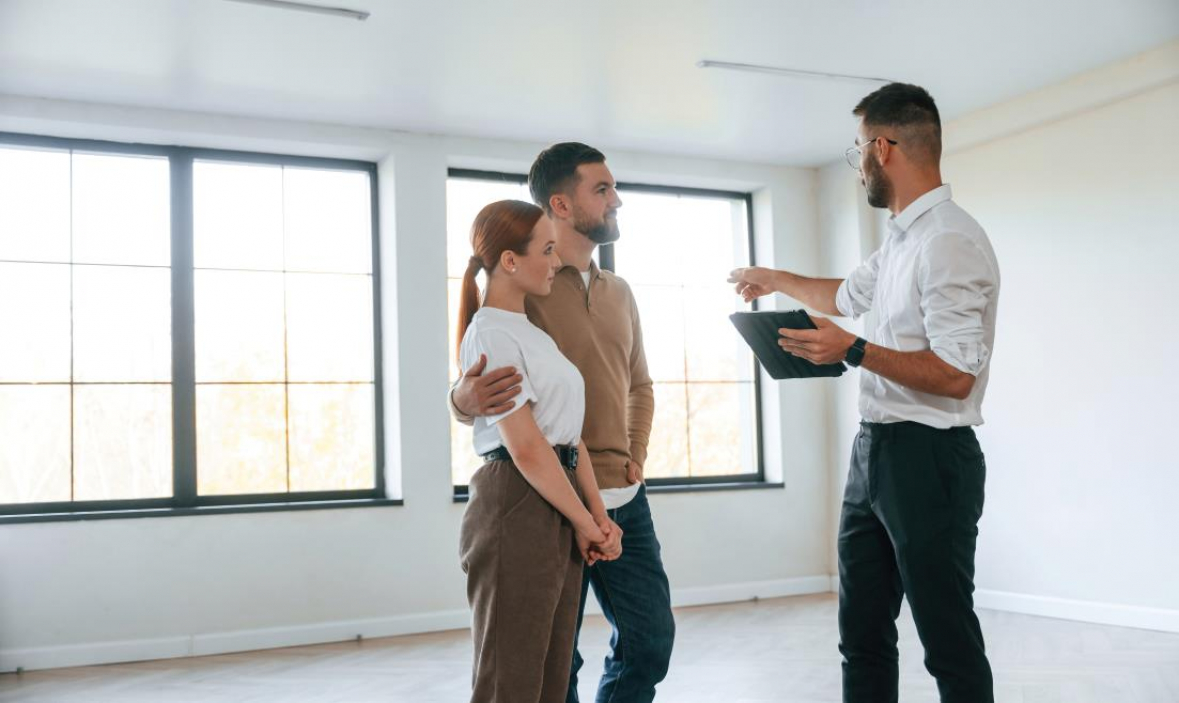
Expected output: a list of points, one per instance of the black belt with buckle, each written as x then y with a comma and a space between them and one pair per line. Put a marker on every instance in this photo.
566, 454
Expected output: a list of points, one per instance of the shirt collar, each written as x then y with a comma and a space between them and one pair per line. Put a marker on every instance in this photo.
902, 222
594, 271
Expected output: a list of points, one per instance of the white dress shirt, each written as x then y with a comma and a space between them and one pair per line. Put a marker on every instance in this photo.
934, 285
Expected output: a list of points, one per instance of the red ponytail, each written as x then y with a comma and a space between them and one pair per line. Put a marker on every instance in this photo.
501, 226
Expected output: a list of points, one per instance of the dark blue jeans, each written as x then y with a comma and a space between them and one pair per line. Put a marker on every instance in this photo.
636, 600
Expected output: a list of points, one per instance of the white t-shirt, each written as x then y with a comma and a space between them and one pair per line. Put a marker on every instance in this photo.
552, 384
613, 498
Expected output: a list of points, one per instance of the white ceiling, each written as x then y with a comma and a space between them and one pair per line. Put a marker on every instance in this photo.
615, 74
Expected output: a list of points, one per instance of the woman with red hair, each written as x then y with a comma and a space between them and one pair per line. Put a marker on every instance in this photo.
527, 527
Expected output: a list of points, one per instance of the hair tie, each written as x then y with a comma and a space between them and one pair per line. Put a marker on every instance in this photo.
475, 263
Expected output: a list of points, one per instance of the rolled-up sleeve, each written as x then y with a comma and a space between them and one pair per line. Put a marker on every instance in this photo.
957, 282
855, 294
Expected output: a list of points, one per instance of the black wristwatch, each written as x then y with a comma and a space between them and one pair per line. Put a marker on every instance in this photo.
855, 353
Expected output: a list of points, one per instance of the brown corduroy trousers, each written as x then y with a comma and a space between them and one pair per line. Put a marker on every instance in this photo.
523, 584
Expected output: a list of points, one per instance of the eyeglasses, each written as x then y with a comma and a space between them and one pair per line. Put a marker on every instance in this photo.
853, 153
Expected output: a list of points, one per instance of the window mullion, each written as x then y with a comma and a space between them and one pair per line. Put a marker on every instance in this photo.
378, 338
606, 257
183, 333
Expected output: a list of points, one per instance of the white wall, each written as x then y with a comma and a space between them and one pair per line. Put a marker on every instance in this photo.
1084, 216
116, 590
1078, 188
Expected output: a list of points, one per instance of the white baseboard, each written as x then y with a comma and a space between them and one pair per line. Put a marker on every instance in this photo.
736, 592
113, 652
92, 653
1083, 611
320, 633
1115, 614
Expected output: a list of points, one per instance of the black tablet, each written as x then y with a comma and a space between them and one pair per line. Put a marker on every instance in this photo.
760, 330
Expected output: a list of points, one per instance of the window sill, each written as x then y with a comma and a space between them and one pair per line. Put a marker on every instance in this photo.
685, 488
709, 487
202, 510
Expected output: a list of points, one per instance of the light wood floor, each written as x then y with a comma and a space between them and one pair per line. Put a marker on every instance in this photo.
773, 650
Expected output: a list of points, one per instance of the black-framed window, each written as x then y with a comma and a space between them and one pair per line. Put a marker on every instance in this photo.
185, 329
677, 248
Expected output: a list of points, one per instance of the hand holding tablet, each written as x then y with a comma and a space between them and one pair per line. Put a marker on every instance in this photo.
760, 331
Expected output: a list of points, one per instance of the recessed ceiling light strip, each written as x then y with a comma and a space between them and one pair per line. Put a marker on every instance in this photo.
307, 7
789, 72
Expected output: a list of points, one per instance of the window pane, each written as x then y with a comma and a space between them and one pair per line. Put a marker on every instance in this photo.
667, 451
85, 297
747, 421
710, 236
122, 324
464, 199
35, 452
332, 441
661, 313
241, 439
237, 216
239, 326
35, 319
123, 442
329, 327
328, 220
715, 430
704, 231
121, 210
453, 289
452, 300
714, 349
464, 462
34, 205
649, 224
707, 240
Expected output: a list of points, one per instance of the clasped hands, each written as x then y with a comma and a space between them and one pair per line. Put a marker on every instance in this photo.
603, 543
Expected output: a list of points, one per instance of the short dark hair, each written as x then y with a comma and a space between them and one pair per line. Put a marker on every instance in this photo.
910, 110
555, 169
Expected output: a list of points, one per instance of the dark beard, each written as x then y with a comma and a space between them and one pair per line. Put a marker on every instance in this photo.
878, 187
605, 232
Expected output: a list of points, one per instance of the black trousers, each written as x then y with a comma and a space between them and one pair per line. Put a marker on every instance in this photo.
908, 529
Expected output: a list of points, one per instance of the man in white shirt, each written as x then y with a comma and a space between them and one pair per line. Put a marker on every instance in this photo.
914, 494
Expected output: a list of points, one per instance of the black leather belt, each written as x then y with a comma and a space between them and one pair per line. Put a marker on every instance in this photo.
566, 454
